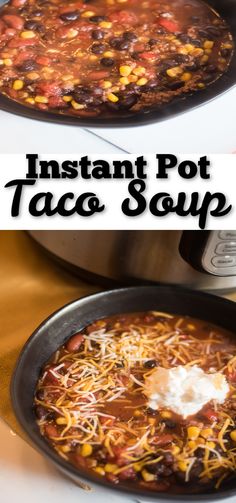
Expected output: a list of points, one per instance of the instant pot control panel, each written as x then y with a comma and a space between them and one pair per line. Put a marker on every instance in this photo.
212, 252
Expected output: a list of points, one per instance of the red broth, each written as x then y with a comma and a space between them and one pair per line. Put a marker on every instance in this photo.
90, 405
105, 57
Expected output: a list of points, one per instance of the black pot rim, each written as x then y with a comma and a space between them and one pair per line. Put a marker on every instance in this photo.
37, 440
179, 105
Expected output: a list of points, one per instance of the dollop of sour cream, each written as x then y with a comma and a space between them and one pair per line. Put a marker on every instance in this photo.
184, 390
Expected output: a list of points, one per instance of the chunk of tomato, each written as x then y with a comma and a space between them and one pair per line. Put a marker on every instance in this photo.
169, 25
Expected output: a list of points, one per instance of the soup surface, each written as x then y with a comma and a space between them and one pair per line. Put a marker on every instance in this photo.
93, 407
105, 57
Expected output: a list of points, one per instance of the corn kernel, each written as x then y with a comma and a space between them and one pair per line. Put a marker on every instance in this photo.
18, 85
1, 62
142, 81
112, 97
189, 47
206, 433
151, 420
148, 477
174, 72
7, 62
186, 76
67, 99
139, 71
27, 34
201, 85
137, 413
105, 24
197, 52
208, 51
191, 327
100, 470
125, 70
166, 414
193, 432
124, 80
59, 420
41, 99
121, 1
183, 466
110, 468
86, 450
72, 33
106, 84
208, 44
76, 105
67, 77
30, 100
32, 76
175, 450
65, 448
192, 444
108, 54
115, 89
233, 435
204, 58
132, 78
88, 13
211, 445
93, 57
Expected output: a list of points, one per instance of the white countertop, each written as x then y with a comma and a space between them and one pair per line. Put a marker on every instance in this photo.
209, 128
25, 476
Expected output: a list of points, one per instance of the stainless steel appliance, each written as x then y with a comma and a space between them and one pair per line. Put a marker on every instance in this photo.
200, 259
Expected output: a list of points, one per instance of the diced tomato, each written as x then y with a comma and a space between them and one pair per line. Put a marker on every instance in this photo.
22, 42
148, 55
231, 375
51, 430
49, 89
71, 7
18, 3
16, 22
23, 56
43, 60
210, 414
126, 17
10, 32
2, 26
171, 26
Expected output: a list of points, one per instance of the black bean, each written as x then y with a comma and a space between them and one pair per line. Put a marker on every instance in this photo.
175, 85
152, 412
97, 19
168, 458
159, 469
182, 58
97, 34
98, 48
107, 62
41, 412
160, 31
34, 25
150, 87
212, 68
225, 52
28, 66
184, 38
170, 424
128, 102
70, 16
196, 42
150, 364
37, 13
213, 31
207, 78
152, 41
130, 35
203, 33
119, 43
40, 394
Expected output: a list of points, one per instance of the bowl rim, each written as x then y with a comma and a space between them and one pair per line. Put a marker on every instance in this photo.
38, 442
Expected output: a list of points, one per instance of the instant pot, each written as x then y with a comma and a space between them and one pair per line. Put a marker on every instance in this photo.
199, 259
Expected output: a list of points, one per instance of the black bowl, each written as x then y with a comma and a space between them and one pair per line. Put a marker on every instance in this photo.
227, 10
54, 331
